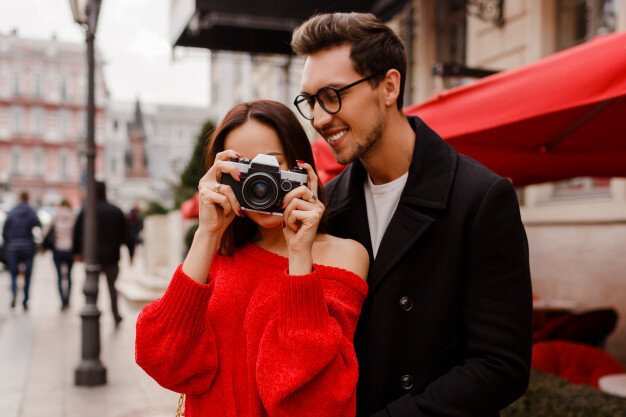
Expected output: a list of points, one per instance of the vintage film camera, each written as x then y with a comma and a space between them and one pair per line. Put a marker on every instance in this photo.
263, 185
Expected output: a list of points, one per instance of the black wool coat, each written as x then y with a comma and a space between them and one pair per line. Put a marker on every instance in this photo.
446, 329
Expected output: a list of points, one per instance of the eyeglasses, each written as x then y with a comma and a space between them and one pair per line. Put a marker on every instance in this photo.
328, 97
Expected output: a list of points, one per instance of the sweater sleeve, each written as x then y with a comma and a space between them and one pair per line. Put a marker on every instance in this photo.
175, 343
306, 363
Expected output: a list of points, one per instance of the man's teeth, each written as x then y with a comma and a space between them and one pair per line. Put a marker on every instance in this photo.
337, 136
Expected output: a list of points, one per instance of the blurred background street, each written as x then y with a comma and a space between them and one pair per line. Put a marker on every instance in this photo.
40, 348
535, 90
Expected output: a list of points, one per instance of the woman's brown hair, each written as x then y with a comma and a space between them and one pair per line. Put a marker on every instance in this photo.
295, 144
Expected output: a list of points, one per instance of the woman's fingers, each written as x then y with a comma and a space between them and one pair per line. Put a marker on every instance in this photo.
209, 196
307, 212
302, 193
226, 155
225, 167
226, 191
313, 181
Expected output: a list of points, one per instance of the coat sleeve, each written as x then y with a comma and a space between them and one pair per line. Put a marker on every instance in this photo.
306, 363
77, 235
127, 237
175, 343
5, 230
498, 319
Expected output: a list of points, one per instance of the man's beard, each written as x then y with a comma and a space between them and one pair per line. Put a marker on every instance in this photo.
361, 150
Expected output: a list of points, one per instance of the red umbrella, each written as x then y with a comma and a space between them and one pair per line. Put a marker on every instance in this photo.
560, 117
190, 209
325, 164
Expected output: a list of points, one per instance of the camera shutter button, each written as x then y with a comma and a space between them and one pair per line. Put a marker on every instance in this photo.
286, 186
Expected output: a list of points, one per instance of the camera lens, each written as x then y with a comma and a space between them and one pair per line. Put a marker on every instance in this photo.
260, 190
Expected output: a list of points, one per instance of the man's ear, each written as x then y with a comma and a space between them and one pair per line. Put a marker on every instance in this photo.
391, 87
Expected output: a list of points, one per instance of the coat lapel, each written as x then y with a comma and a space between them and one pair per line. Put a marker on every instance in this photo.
428, 186
405, 228
348, 212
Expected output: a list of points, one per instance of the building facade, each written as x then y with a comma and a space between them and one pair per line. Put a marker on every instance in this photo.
238, 77
169, 136
43, 125
576, 228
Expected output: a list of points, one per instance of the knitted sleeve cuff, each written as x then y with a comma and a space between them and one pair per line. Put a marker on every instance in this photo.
183, 306
302, 301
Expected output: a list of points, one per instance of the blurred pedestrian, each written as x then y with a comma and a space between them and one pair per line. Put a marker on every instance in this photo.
20, 244
112, 232
62, 228
135, 223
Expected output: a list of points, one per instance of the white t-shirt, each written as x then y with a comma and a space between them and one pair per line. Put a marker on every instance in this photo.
382, 201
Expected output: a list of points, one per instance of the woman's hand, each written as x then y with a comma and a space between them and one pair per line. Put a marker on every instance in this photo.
218, 207
218, 204
303, 212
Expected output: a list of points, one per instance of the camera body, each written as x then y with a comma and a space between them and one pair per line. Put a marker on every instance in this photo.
263, 185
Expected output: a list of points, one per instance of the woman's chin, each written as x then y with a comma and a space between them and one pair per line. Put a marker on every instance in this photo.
266, 221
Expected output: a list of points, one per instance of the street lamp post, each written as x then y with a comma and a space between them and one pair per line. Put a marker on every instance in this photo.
90, 371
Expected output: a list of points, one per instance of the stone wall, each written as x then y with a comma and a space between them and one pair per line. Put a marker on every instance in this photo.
585, 263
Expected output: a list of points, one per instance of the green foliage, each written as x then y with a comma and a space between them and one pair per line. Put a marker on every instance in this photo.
551, 396
154, 207
195, 168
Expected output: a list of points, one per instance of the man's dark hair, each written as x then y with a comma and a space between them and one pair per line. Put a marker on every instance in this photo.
374, 47
101, 190
24, 197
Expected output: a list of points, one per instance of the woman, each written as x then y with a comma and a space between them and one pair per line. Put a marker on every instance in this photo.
63, 224
259, 319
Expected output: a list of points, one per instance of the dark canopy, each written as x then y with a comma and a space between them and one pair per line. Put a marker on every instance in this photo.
256, 26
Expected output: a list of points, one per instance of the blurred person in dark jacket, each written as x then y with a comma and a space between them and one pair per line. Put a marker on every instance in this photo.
112, 231
136, 224
20, 244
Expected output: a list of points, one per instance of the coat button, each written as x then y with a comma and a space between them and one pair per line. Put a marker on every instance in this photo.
407, 382
406, 304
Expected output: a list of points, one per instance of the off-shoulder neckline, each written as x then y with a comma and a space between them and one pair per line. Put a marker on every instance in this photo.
281, 262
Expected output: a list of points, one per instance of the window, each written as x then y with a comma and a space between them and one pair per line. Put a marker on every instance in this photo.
451, 23
64, 88
582, 188
38, 162
580, 20
17, 84
17, 120
64, 123
63, 163
15, 160
37, 117
37, 85
82, 122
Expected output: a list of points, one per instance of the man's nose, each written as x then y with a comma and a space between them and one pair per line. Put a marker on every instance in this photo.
320, 117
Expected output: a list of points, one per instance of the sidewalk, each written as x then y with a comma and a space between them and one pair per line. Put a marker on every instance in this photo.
40, 349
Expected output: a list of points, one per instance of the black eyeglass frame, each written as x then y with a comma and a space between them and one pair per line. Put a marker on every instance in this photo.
338, 91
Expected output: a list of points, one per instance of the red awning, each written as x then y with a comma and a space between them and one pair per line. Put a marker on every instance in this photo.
560, 117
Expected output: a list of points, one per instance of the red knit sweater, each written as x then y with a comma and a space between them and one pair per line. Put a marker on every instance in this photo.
255, 341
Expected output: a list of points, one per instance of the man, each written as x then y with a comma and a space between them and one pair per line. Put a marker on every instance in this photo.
113, 231
20, 245
446, 327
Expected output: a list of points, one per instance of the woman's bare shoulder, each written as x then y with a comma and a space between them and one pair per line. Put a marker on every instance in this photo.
347, 254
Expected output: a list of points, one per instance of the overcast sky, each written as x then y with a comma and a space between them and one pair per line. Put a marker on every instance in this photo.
133, 36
